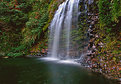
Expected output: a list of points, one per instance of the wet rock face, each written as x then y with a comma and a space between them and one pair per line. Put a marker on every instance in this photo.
91, 34
89, 17
90, 2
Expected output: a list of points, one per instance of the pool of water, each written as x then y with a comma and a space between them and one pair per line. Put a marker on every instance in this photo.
38, 71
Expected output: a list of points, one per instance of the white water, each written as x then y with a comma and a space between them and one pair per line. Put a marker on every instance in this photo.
65, 18
60, 61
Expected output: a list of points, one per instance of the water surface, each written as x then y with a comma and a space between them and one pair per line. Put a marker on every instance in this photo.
37, 71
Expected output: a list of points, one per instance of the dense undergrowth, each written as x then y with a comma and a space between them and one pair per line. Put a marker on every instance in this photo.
24, 24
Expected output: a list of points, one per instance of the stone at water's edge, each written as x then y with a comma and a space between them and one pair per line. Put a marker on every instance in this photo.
5, 57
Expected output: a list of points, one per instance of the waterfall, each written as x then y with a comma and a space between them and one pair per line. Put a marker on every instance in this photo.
65, 21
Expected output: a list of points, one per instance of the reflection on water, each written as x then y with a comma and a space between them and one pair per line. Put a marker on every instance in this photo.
34, 71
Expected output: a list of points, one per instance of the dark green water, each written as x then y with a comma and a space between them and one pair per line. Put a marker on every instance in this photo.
35, 71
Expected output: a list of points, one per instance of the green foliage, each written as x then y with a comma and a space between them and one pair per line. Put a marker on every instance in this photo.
104, 11
25, 7
109, 12
19, 48
24, 24
38, 18
11, 54
17, 51
105, 14
116, 10
12, 20
12, 16
8, 40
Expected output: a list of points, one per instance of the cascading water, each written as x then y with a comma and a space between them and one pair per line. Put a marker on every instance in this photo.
66, 18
